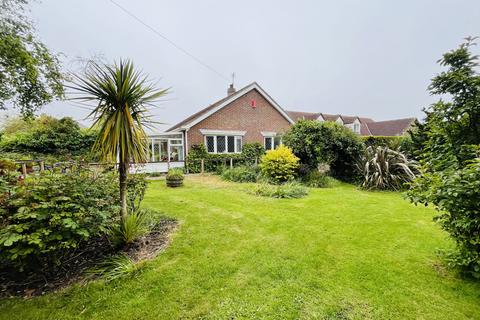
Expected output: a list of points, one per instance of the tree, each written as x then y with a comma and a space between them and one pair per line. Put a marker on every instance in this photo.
316, 142
30, 74
450, 138
122, 95
46, 136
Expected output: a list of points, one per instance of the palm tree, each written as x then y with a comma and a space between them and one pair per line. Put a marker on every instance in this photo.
121, 95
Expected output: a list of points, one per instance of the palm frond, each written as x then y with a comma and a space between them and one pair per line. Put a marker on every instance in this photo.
123, 96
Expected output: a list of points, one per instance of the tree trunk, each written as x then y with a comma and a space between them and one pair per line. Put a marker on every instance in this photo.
122, 170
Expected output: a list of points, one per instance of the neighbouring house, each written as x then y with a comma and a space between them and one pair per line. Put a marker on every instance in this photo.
360, 125
246, 116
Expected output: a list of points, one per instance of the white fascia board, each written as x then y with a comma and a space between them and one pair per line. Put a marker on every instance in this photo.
222, 132
234, 97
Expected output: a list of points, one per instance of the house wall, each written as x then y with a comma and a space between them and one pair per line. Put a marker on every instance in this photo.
240, 116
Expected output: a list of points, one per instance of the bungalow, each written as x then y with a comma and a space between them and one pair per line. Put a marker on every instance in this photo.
246, 116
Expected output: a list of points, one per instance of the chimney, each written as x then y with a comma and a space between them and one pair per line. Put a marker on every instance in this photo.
231, 90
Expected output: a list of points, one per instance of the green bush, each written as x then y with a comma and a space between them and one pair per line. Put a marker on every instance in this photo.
252, 151
386, 169
214, 162
136, 187
316, 142
241, 174
131, 227
316, 179
456, 196
287, 190
391, 142
46, 136
175, 173
51, 213
117, 267
279, 165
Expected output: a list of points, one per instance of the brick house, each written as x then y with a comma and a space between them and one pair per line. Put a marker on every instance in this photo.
246, 116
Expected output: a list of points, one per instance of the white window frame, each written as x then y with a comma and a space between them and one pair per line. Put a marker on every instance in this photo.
170, 145
236, 137
270, 135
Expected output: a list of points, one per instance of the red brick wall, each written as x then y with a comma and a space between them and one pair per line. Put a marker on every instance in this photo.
239, 115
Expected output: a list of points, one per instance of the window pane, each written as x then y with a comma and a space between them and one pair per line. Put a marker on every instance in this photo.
238, 142
210, 144
276, 142
220, 144
176, 142
268, 143
231, 144
176, 153
156, 151
163, 151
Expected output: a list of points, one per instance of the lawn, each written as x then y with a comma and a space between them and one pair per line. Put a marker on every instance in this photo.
339, 253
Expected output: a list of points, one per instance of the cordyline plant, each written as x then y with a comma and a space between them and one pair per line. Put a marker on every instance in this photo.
122, 96
383, 168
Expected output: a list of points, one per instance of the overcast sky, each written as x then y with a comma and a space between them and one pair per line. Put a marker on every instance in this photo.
370, 58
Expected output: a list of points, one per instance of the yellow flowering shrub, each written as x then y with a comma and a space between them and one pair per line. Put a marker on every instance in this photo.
279, 165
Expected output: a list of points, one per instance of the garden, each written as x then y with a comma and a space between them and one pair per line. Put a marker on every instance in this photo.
328, 225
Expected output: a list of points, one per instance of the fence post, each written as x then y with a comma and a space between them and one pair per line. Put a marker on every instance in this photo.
202, 166
256, 161
42, 166
231, 163
24, 169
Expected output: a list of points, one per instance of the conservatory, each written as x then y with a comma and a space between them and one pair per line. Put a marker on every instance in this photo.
166, 150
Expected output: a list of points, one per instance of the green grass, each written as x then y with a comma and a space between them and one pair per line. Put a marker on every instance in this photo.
339, 253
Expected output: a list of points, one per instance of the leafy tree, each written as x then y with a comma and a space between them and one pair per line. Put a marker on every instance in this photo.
30, 74
46, 136
450, 139
122, 95
317, 142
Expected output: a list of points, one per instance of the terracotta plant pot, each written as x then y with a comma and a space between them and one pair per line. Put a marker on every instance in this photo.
174, 182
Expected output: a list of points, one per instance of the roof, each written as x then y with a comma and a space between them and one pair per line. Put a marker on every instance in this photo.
298, 115
395, 127
368, 126
197, 114
211, 109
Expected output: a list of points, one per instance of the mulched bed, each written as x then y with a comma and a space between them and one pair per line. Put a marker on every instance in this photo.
76, 263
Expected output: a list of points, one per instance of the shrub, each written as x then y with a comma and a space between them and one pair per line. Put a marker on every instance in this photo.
241, 174
391, 142
49, 214
383, 168
116, 267
326, 142
455, 195
7, 165
279, 165
287, 190
316, 179
252, 151
175, 173
216, 162
136, 187
131, 227
47, 136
